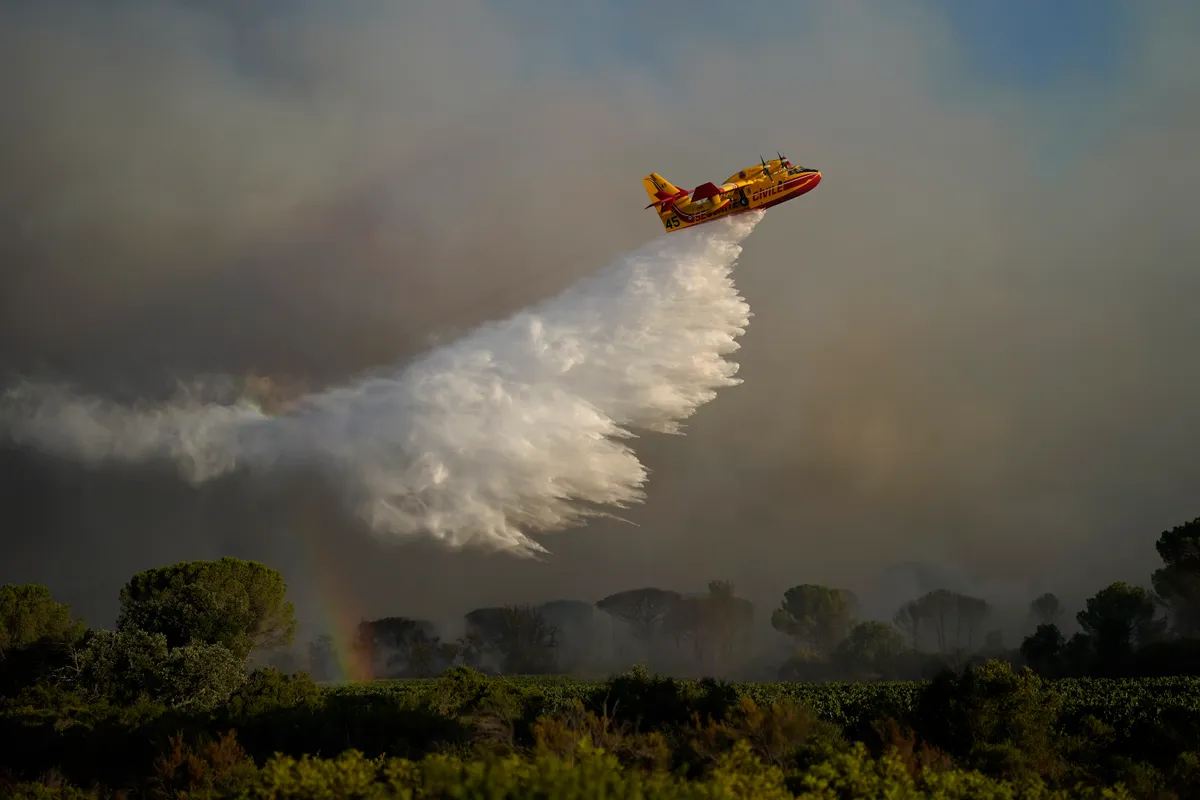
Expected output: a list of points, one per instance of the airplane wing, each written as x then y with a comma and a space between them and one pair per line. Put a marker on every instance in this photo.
742, 178
705, 191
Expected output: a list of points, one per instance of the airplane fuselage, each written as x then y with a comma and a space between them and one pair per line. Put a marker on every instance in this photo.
759, 187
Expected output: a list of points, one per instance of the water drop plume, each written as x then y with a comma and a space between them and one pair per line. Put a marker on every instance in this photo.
519, 427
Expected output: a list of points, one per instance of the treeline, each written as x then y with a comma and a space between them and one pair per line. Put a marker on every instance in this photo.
1125, 630
168, 700
198, 622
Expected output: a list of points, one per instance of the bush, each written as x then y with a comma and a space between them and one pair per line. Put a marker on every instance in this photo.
591, 772
131, 665
993, 719
1011, 726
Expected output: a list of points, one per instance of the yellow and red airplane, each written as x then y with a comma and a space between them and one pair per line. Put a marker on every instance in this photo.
761, 186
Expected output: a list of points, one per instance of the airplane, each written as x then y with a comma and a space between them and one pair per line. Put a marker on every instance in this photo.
759, 187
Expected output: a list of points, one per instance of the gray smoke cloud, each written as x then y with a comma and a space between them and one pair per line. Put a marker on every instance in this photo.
964, 350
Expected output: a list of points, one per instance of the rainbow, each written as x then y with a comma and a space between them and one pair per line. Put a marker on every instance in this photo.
338, 610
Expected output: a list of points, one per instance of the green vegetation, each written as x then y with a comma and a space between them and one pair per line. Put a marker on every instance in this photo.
168, 704
985, 731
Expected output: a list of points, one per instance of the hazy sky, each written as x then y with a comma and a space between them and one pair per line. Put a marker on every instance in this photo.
974, 344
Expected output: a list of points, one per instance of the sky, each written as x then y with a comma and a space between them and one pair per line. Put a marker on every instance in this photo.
1032, 45
973, 345
1070, 54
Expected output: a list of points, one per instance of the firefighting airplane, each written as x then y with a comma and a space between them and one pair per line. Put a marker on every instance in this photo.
761, 186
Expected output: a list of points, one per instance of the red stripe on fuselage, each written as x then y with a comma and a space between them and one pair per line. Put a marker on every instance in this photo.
805, 184
801, 184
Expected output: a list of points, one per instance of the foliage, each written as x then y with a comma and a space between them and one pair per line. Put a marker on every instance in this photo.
28, 614
711, 624
239, 605
993, 719
1178, 581
1042, 650
1010, 725
36, 635
1046, 609
643, 610
520, 635
949, 615
568, 613
163, 705
590, 771
267, 689
131, 665
816, 615
870, 650
1117, 618
403, 647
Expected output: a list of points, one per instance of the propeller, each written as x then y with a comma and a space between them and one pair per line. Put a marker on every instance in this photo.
766, 169
782, 160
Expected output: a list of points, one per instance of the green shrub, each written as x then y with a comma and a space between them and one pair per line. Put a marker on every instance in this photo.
591, 772
994, 719
1008, 725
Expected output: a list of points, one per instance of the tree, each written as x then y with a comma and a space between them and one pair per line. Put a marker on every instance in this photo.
237, 604
713, 623
575, 622
728, 617
870, 650
688, 622
814, 614
1078, 654
390, 633
525, 642
29, 615
908, 620
950, 615
1181, 544
1042, 648
643, 610
1045, 609
1117, 618
568, 614
971, 613
36, 635
1178, 581
938, 608
391, 642
424, 654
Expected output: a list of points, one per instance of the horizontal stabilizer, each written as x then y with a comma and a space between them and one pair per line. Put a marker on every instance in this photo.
664, 198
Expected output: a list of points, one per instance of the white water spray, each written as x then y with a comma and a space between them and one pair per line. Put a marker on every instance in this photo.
515, 428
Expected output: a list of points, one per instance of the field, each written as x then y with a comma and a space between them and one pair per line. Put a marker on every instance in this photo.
1123, 703
984, 732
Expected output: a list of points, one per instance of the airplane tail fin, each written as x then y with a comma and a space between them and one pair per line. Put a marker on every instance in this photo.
658, 188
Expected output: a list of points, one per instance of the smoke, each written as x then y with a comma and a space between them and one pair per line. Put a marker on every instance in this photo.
974, 346
517, 427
